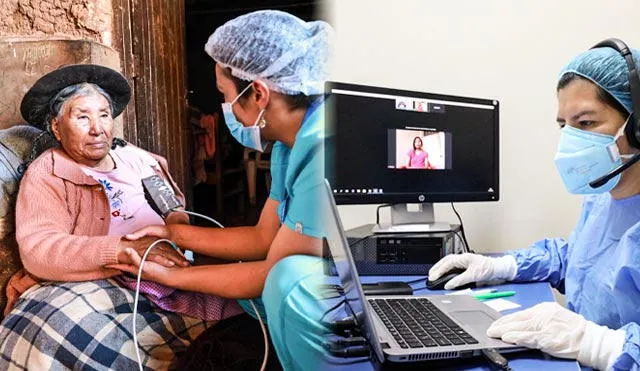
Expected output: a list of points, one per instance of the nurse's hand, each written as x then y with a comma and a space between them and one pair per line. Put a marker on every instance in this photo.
561, 333
160, 231
478, 268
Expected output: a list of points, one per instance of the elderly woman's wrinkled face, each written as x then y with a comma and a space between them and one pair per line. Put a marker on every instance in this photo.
84, 128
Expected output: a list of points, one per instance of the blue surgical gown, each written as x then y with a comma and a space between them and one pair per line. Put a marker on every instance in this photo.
289, 300
598, 268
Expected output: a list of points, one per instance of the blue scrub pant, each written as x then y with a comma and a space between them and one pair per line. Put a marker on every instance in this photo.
294, 312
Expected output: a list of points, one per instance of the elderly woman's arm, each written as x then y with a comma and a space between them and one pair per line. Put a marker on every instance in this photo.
44, 227
49, 245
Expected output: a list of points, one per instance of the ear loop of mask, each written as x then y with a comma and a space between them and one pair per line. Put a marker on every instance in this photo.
241, 93
619, 134
260, 121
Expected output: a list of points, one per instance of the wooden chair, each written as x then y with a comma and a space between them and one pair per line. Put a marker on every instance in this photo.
254, 161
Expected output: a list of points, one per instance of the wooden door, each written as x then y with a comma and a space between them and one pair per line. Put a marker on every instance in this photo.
150, 34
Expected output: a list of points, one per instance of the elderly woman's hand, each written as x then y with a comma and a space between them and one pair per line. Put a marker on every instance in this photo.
151, 271
163, 253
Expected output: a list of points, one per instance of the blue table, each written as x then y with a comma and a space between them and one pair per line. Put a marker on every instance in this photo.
527, 295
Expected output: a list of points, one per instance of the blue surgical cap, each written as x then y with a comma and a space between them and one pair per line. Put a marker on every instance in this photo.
290, 55
607, 68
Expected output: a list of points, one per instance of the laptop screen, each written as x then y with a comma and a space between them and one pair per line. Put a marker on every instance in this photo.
346, 270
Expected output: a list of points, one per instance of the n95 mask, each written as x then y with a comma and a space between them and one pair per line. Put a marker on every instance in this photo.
584, 156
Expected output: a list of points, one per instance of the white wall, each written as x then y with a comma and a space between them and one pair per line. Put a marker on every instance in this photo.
502, 49
433, 143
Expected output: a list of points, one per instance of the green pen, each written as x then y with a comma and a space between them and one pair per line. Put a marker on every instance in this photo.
493, 295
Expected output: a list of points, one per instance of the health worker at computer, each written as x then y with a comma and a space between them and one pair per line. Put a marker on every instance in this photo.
598, 267
271, 68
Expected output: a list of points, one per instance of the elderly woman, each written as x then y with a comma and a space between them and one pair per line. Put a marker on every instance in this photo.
75, 203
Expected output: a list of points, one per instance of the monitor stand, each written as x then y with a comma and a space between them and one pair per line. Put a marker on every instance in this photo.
412, 218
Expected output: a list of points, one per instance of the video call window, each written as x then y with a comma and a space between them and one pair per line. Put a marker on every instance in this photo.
418, 149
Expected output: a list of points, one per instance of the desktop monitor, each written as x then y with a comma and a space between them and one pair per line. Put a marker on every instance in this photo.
405, 148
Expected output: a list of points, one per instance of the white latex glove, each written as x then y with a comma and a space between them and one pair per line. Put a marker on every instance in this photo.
478, 269
562, 333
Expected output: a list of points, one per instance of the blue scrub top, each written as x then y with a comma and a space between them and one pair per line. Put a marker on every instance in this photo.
300, 176
598, 268
297, 178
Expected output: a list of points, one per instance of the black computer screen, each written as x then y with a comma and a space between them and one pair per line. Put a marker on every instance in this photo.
398, 146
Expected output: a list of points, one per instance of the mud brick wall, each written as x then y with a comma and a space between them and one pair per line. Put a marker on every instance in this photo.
90, 20
23, 62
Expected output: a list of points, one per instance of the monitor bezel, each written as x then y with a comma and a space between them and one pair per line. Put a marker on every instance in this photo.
420, 197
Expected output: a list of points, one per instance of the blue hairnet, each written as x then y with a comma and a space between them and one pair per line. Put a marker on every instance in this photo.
607, 69
291, 56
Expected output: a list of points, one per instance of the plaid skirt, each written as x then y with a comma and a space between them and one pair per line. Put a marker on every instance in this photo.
87, 326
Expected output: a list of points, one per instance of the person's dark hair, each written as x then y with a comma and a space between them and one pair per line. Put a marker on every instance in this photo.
414, 142
293, 101
604, 97
46, 139
43, 142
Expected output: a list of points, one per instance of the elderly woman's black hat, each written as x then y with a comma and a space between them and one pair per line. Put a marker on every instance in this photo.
35, 103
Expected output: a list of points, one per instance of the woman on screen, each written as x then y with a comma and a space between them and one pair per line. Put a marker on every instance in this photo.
417, 158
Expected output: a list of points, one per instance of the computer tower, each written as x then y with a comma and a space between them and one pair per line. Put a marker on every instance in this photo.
401, 253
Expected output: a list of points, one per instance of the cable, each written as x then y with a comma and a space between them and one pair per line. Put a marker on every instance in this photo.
464, 243
200, 215
495, 359
348, 342
340, 303
350, 352
135, 299
464, 236
264, 334
253, 305
378, 212
347, 323
325, 291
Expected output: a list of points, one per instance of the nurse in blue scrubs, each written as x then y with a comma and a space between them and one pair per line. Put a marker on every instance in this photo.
598, 267
271, 68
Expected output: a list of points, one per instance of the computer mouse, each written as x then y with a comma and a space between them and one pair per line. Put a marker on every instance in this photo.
448, 276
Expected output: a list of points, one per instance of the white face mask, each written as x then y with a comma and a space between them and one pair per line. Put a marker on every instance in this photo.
248, 136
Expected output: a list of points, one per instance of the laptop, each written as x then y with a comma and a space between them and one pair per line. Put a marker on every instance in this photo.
411, 328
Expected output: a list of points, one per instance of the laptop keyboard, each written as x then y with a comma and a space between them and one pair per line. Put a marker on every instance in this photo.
417, 323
